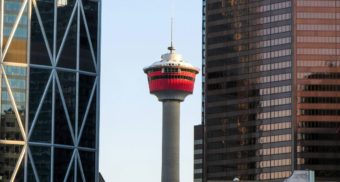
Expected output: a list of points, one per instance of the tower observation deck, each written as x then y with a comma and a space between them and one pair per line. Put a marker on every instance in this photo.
171, 80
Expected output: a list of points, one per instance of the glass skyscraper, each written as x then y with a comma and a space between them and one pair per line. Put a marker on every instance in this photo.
270, 88
50, 65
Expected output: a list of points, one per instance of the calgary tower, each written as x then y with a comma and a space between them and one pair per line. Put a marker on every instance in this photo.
171, 80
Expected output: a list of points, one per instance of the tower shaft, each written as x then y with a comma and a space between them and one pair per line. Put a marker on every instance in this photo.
170, 141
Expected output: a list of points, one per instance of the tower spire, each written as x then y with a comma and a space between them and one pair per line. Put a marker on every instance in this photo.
172, 30
171, 48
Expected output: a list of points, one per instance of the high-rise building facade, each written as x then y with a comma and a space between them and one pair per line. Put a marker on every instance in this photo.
271, 81
49, 102
317, 74
198, 153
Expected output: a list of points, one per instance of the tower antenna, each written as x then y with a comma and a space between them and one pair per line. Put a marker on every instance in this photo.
172, 29
172, 48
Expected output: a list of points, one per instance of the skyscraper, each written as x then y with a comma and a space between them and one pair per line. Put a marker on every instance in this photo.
271, 80
50, 65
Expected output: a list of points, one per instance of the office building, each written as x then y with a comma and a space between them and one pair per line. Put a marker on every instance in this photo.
198, 153
49, 125
271, 77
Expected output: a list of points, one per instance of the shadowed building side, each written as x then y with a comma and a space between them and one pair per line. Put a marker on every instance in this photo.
198, 153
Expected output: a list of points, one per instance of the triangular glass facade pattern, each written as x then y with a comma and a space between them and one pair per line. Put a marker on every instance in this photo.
49, 85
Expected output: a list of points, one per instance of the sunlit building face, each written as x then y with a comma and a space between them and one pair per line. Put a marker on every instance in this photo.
49, 73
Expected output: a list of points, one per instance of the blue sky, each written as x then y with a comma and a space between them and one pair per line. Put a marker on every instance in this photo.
134, 35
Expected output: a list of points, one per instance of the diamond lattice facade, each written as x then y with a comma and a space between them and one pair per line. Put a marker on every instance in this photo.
49, 71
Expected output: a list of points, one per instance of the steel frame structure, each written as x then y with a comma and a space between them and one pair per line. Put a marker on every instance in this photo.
53, 81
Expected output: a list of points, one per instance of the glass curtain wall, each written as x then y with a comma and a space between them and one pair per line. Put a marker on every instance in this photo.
248, 99
49, 90
318, 85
